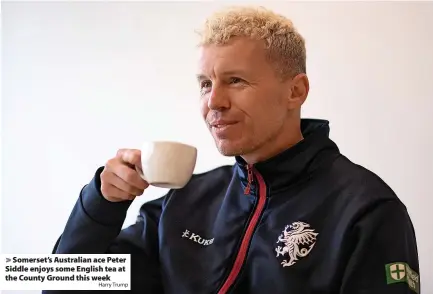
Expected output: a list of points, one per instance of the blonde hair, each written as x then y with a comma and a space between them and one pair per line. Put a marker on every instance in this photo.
285, 46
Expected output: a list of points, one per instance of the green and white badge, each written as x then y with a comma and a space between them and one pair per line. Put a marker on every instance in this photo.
400, 272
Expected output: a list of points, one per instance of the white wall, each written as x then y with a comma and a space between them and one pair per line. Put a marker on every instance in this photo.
81, 80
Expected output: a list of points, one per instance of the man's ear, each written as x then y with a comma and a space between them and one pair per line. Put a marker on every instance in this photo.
300, 86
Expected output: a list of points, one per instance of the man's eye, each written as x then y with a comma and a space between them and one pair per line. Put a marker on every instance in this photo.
205, 84
205, 87
235, 80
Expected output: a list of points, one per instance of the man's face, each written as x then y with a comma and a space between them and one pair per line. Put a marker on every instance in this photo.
243, 100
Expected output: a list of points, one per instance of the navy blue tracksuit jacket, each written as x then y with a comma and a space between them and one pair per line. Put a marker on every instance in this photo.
306, 221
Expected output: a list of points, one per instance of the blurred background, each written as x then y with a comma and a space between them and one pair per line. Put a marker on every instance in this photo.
83, 79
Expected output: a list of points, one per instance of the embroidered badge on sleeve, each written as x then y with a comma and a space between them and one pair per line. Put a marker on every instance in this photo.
400, 272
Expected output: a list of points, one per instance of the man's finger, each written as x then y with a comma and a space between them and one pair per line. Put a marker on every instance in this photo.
131, 177
115, 194
130, 156
118, 182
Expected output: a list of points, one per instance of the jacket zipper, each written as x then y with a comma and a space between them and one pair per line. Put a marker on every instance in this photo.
240, 258
250, 180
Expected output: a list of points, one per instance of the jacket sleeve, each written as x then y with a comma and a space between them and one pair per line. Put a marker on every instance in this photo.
384, 259
95, 227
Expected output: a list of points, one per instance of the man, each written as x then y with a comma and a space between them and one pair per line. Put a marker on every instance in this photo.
293, 215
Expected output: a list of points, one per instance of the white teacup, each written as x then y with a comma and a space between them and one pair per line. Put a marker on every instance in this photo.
167, 164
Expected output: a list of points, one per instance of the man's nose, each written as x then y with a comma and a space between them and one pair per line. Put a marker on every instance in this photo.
218, 99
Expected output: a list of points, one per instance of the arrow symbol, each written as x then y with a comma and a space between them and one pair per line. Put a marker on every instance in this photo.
8, 259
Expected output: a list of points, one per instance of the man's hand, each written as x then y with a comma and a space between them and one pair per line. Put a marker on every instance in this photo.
119, 179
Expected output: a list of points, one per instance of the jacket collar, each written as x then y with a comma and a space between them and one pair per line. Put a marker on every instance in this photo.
296, 163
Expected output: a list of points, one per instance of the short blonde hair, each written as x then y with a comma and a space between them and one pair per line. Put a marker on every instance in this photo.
286, 47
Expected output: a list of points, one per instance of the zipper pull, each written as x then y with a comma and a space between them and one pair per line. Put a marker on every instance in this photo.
250, 179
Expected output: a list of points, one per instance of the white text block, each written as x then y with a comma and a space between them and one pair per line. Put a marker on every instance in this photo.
65, 272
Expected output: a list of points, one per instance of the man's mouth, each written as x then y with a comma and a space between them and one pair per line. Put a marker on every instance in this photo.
221, 124
221, 129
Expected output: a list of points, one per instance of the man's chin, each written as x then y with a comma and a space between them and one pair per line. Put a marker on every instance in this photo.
228, 148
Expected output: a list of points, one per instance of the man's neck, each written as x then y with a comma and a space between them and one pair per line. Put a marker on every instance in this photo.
288, 137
